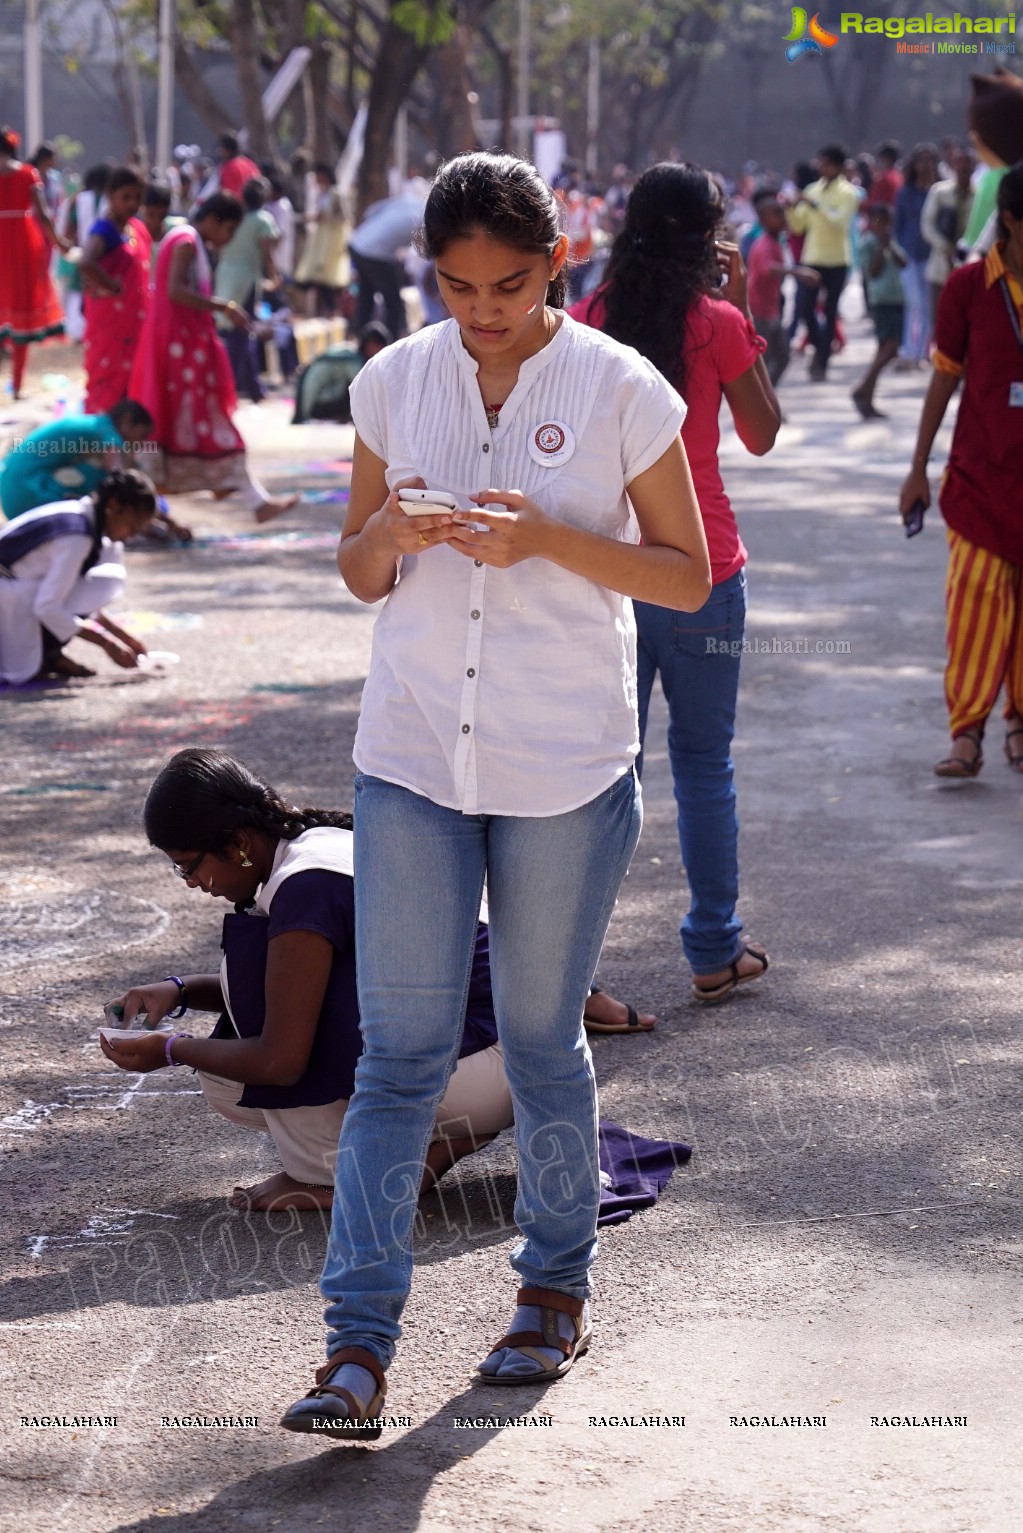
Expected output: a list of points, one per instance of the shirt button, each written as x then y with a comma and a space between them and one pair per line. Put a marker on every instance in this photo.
478, 563
471, 671
474, 613
465, 729
486, 446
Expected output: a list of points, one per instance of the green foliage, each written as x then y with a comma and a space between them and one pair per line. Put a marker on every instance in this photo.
430, 24
68, 149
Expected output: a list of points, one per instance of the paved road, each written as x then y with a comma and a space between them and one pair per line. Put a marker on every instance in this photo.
846, 1241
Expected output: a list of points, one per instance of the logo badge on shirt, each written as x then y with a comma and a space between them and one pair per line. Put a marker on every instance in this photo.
552, 444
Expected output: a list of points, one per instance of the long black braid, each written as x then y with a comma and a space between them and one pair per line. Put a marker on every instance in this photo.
202, 798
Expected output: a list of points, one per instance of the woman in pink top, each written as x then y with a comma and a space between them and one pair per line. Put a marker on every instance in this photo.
678, 295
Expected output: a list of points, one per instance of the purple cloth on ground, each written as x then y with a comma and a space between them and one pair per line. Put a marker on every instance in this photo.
639, 1169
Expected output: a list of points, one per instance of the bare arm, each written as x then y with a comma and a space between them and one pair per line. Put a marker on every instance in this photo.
936, 401
92, 273
179, 289
376, 534
751, 397
297, 970
42, 212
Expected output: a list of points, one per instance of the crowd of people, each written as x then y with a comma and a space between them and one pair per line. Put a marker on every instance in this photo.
565, 395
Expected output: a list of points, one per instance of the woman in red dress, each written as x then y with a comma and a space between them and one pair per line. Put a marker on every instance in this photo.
182, 374
115, 273
29, 307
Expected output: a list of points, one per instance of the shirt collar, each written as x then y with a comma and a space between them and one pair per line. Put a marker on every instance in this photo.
530, 367
994, 266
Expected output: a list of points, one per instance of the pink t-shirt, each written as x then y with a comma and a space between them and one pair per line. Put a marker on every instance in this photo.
764, 285
720, 346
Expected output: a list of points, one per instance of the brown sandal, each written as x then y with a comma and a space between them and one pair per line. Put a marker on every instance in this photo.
344, 1417
1015, 759
957, 766
551, 1305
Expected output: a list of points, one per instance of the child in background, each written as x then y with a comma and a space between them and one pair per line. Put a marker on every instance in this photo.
881, 260
768, 266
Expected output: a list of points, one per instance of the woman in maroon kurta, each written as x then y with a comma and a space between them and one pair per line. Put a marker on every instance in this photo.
979, 338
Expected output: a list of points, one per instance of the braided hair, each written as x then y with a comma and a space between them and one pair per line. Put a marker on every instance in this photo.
202, 798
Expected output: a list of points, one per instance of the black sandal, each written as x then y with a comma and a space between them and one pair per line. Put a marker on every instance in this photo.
630, 1025
708, 994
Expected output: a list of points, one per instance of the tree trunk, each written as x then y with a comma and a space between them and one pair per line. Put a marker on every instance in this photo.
198, 92
321, 133
247, 54
398, 61
291, 34
506, 86
449, 73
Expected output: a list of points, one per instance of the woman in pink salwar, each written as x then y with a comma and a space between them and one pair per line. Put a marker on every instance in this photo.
182, 374
115, 274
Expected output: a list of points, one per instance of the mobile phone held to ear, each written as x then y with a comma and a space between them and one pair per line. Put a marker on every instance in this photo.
426, 502
915, 519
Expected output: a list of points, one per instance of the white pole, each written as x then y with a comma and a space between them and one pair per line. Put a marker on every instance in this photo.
592, 106
33, 78
165, 86
525, 144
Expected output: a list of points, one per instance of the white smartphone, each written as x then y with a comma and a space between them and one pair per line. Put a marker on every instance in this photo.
426, 502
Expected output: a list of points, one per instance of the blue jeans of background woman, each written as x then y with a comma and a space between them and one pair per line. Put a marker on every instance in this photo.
916, 326
551, 884
697, 657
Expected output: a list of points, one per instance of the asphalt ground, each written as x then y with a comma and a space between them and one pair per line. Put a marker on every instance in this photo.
845, 1243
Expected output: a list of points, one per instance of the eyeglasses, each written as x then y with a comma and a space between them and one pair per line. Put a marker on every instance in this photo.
191, 870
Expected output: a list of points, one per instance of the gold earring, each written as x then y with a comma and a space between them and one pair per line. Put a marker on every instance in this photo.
245, 860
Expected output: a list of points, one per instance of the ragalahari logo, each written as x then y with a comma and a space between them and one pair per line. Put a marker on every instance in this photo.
799, 43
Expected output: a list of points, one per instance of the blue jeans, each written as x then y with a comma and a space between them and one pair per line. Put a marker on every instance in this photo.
697, 655
916, 325
552, 885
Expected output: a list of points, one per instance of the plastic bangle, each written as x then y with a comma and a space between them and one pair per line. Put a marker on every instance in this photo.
170, 1041
182, 1006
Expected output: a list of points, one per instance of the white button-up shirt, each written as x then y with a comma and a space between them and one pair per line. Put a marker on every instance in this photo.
509, 691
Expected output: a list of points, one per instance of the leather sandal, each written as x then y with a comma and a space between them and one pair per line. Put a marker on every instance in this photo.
330, 1411
959, 766
631, 1024
708, 994
1014, 758
551, 1305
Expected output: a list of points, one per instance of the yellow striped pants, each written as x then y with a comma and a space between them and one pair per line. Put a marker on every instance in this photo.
984, 630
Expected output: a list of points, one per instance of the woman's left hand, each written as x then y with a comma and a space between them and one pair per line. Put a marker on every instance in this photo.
517, 533
733, 270
140, 1055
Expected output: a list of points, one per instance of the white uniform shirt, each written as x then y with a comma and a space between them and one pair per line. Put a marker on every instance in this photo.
49, 591
511, 691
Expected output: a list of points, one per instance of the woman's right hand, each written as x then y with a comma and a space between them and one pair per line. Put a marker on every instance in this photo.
411, 534
914, 488
156, 999
237, 315
120, 654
